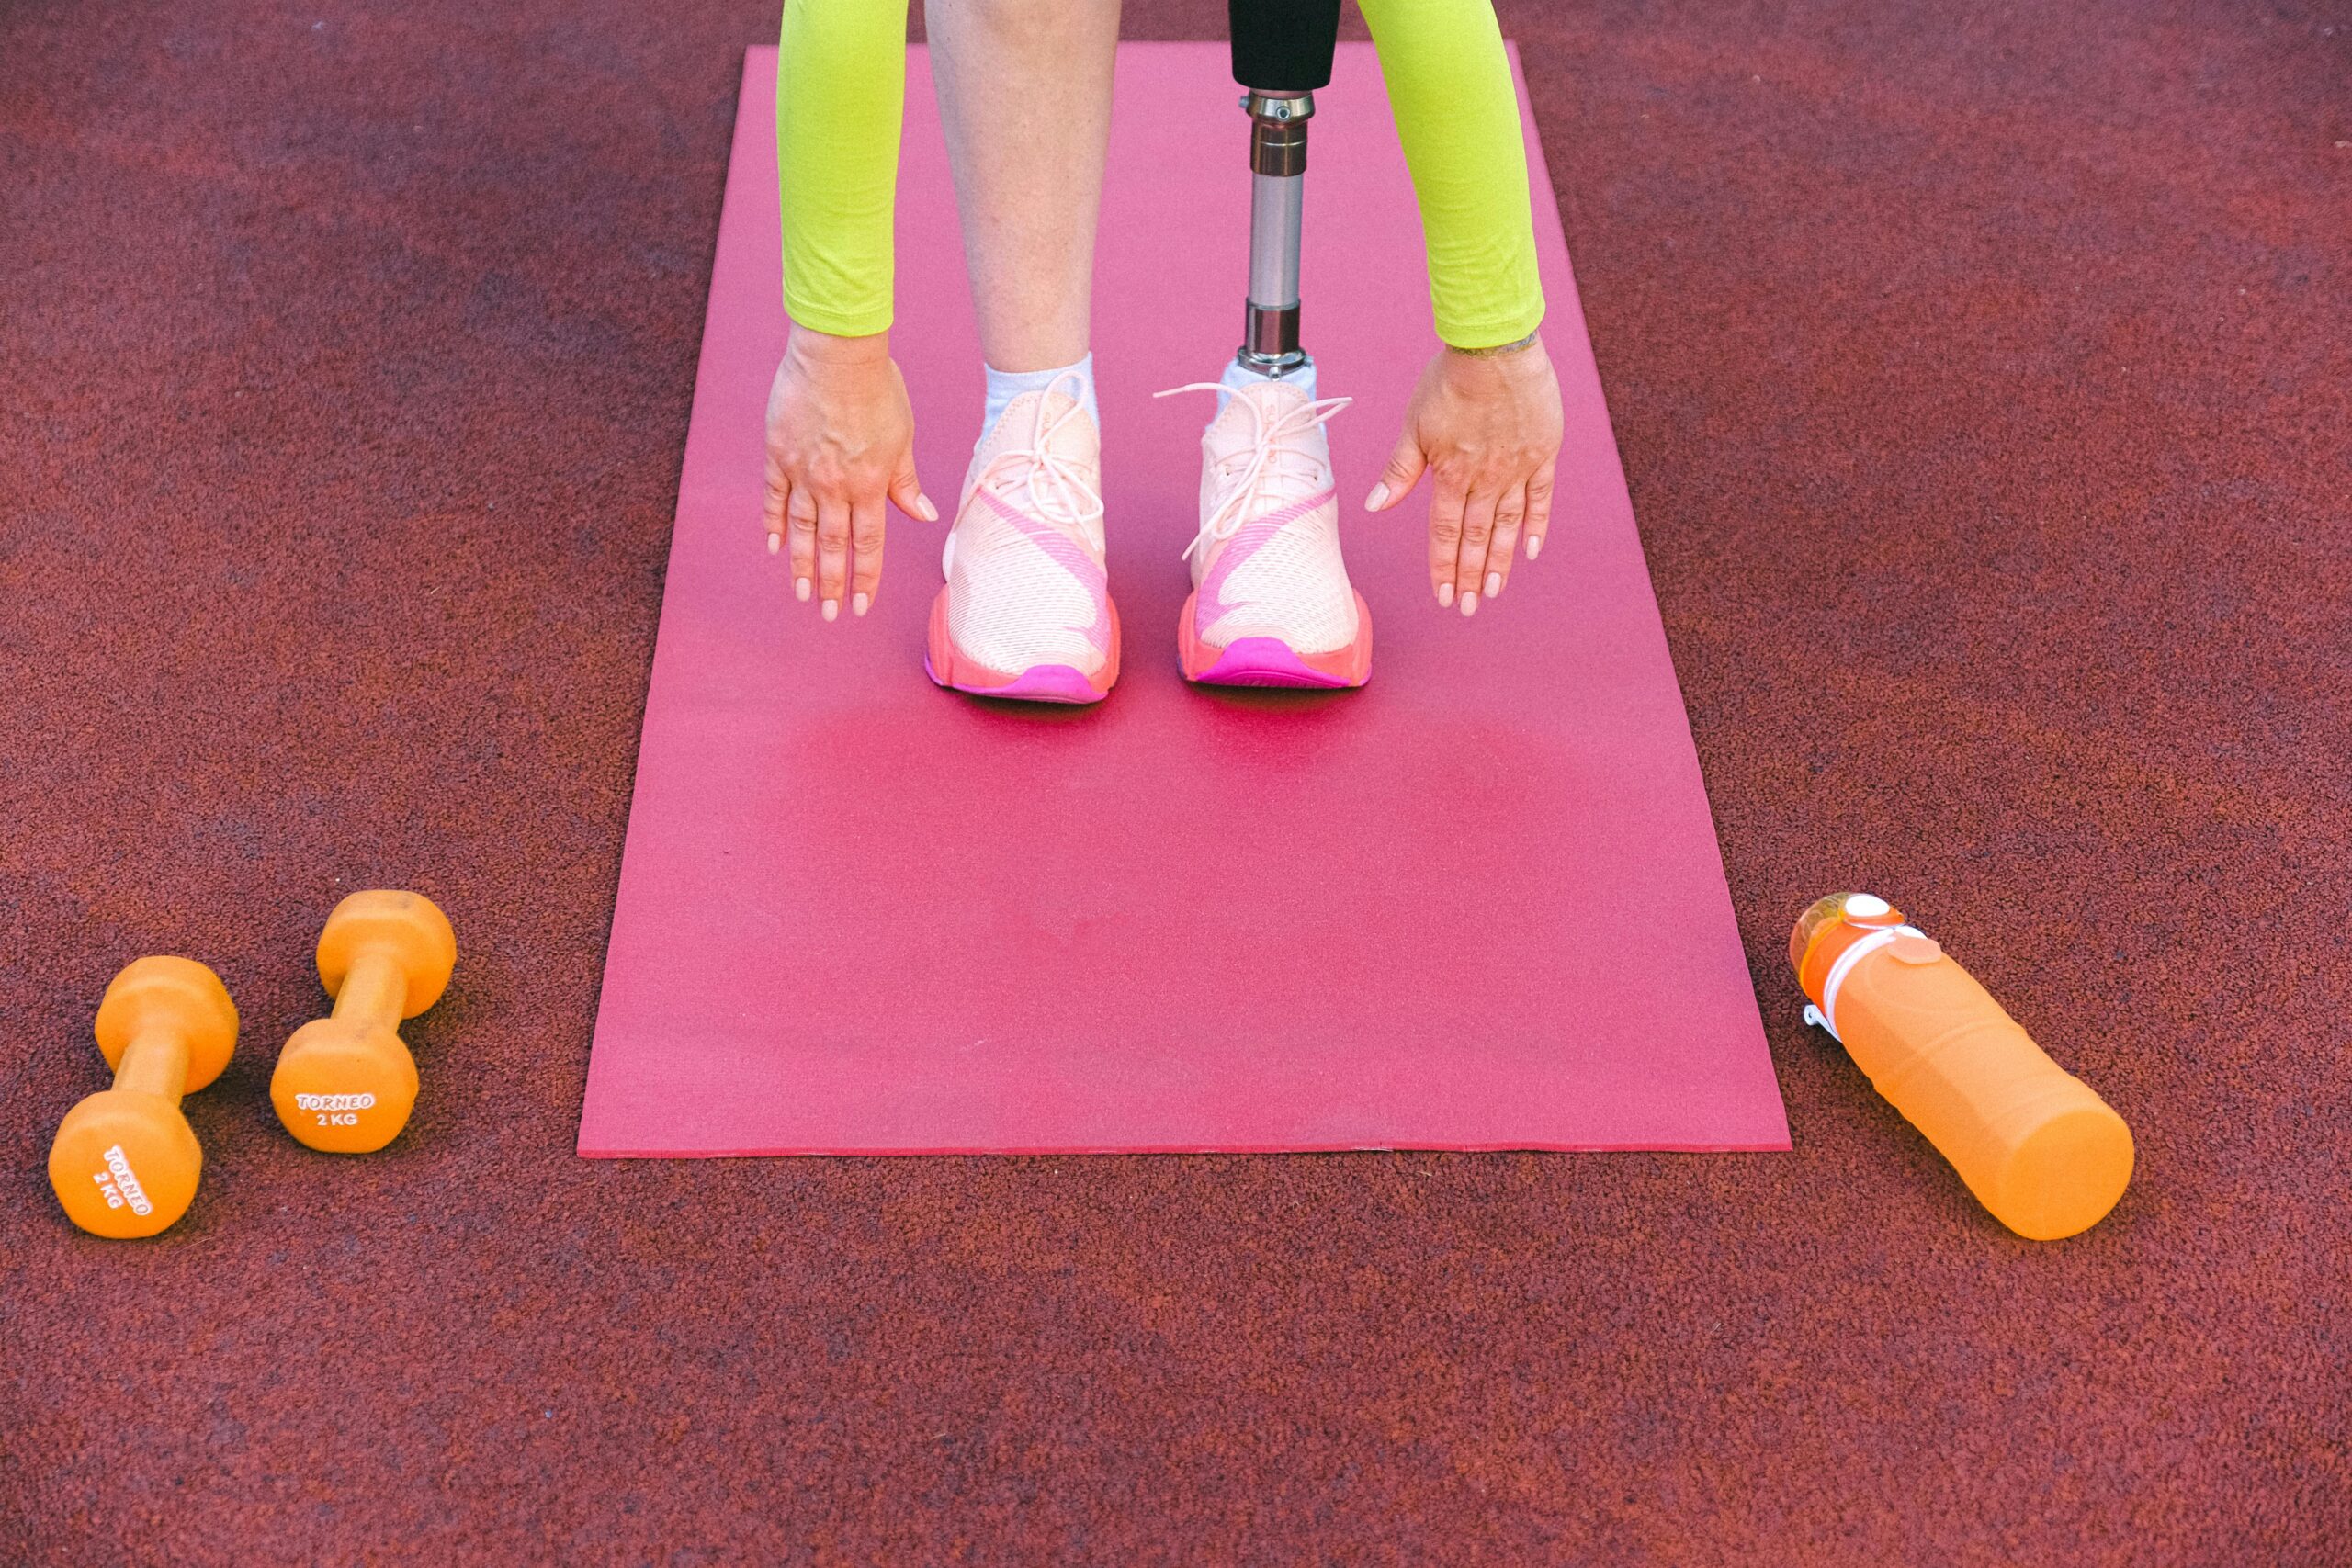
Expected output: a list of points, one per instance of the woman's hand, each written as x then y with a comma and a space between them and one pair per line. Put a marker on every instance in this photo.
1486, 427
841, 443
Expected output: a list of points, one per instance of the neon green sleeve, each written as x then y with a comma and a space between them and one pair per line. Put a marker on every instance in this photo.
1457, 115
840, 90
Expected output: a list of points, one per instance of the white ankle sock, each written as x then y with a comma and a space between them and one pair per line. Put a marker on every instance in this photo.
1237, 375
1006, 385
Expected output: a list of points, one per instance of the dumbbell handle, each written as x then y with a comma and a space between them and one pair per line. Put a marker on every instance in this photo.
375, 991
155, 1061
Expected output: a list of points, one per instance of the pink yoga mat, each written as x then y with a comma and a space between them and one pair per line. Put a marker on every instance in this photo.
1475, 905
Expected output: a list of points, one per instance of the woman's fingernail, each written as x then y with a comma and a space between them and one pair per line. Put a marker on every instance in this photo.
800, 589
1534, 543
775, 543
832, 608
860, 603
1377, 499
1469, 604
930, 513
1494, 583
1445, 595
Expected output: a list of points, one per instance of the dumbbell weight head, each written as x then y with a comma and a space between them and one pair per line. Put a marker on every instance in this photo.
407, 925
346, 1084
343, 1086
126, 1162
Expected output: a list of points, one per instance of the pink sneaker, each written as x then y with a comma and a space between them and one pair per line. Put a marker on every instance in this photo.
1027, 612
1272, 605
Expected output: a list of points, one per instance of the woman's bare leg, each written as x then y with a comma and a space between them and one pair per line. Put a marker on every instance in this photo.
1025, 89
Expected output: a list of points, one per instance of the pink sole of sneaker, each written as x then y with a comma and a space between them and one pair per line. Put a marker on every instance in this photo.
1039, 683
1270, 662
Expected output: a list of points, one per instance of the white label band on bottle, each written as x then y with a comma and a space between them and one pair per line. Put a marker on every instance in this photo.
1825, 1014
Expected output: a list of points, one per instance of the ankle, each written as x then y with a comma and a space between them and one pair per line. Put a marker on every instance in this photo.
1003, 386
1238, 376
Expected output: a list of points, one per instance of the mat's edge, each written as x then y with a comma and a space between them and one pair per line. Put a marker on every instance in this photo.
1077, 1151
703, 350
1539, 174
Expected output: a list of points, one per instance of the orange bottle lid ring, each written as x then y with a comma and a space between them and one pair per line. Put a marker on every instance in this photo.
1826, 1015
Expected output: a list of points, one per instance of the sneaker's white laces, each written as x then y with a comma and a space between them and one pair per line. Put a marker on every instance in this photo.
1066, 499
1233, 509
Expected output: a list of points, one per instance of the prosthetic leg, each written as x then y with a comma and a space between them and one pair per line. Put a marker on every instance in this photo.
1272, 605
1282, 53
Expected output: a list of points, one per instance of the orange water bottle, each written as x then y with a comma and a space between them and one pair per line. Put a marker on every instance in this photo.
2036, 1146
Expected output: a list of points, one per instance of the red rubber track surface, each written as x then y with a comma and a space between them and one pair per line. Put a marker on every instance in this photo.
1981, 373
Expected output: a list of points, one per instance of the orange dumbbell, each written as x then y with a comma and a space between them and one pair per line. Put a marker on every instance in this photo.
346, 1083
126, 1162
2033, 1142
